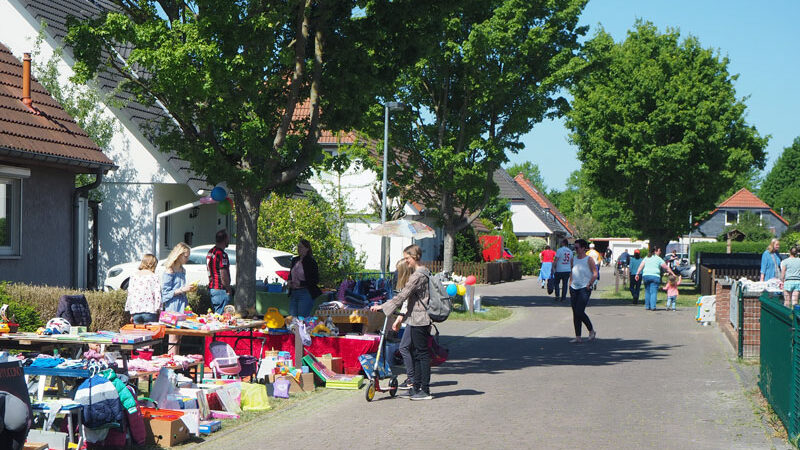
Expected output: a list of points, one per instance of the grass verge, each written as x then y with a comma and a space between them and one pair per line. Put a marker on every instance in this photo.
493, 312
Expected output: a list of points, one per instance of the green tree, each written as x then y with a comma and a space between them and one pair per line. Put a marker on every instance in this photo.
493, 69
659, 128
751, 226
530, 170
231, 74
283, 221
496, 212
468, 249
781, 187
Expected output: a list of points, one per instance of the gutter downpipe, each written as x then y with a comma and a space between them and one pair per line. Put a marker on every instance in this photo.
76, 195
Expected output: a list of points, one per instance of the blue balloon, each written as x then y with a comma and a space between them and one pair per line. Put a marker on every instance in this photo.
218, 194
452, 290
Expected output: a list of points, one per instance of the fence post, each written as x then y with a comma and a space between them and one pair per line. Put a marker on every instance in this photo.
740, 302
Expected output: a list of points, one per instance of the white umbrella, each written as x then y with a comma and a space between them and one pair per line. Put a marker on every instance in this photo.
404, 228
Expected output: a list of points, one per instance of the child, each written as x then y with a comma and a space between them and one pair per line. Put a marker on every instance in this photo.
672, 290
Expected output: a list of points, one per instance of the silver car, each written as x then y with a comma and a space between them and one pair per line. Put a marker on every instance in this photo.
271, 265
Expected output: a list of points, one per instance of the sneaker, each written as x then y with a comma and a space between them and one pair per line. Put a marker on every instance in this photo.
421, 395
576, 340
405, 384
592, 335
409, 392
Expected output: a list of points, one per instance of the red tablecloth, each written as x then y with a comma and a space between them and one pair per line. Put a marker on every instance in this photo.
348, 349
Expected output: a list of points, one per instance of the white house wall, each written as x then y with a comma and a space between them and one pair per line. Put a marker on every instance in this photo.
370, 245
525, 222
357, 187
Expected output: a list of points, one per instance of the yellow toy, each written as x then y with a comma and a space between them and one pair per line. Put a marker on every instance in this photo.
321, 329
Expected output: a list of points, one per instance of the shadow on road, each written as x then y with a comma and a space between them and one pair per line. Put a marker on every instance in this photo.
458, 393
540, 300
490, 355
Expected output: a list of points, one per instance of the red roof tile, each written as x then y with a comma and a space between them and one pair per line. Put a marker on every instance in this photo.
743, 199
50, 133
543, 201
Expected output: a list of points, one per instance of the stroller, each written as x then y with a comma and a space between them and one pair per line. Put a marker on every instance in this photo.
380, 368
225, 362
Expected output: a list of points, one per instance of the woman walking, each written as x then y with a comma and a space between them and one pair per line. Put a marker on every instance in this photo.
650, 269
303, 280
582, 277
417, 323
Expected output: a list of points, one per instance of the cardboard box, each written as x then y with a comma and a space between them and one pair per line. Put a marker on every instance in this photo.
306, 383
166, 433
210, 426
53, 439
35, 446
333, 363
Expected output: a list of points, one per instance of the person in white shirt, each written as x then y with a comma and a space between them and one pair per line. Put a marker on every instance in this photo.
563, 267
583, 276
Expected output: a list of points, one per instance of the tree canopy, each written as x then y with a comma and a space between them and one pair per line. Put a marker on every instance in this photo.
491, 70
781, 186
232, 74
659, 128
530, 170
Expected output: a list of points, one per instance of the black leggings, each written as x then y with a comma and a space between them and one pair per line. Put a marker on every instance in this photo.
580, 299
421, 356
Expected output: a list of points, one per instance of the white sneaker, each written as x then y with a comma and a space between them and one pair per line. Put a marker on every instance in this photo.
577, 340
592, 335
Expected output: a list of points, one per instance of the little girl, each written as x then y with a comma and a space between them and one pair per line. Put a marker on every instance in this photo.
672, 290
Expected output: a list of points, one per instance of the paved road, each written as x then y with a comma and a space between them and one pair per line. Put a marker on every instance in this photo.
651, 380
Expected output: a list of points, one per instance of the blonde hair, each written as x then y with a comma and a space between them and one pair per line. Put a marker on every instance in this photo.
771, 246
673, 280
179, 249
149, 262
413, 251
403, 272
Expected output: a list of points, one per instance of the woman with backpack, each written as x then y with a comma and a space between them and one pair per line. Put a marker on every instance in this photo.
418, 324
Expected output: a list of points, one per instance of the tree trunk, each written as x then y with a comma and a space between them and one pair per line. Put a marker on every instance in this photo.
658, 242
449, 248
247, 210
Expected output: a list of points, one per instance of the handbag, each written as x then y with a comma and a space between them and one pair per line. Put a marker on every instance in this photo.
438, 353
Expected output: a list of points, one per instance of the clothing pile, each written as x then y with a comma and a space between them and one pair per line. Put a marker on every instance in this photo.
180, 362
754, 287
359, 294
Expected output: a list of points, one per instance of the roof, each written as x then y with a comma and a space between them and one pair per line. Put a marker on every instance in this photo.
743, 198
511, 190
46, 133
543, 201
55, 14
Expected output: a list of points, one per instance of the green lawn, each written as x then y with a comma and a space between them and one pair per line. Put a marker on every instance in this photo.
494, 312
687, 294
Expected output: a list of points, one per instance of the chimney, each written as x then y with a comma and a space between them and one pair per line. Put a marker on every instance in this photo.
26, 80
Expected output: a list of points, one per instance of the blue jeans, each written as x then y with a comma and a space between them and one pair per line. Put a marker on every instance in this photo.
671, 301
140, 318
405, 352
219, 300
301, 303
651, 283
635, 287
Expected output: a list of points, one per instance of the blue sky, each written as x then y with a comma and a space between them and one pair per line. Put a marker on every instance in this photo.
760, 39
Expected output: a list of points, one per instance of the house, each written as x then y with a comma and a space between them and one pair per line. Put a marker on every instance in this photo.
43, 216
729, 211
532, 213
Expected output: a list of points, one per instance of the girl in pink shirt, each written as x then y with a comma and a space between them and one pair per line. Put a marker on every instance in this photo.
672, 290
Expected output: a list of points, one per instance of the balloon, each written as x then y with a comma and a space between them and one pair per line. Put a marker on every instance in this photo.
461, 289
452, 290
218, 193
224, 207
470, 280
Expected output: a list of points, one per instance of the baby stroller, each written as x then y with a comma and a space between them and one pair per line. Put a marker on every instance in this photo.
381, 368
225, 362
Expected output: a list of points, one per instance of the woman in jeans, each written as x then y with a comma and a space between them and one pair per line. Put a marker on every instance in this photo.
417, 323
303, 280
581, 279
144, 292
650, 269
403, 272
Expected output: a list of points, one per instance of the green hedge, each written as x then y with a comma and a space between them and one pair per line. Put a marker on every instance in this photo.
722, 247
107, 308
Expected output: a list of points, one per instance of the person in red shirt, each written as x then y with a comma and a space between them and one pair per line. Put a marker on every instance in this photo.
219, 275
546, 273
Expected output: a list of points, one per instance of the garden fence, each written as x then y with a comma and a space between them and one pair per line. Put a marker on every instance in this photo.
492, 272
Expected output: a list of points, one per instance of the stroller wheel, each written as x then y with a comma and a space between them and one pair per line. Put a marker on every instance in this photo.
393, 387
370, 393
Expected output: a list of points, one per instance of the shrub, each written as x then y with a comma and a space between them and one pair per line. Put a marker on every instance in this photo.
24, 315
467, 248
107, 308
721, 247
528, 256
789, 239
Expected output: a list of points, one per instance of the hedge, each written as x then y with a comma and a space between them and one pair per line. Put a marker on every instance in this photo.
722, 247
107, 308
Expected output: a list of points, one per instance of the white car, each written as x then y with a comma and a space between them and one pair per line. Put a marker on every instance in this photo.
270, 265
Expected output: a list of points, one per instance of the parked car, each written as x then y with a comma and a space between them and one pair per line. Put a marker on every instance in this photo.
270, 264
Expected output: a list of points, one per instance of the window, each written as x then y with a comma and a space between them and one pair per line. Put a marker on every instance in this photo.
10, 211
731, 217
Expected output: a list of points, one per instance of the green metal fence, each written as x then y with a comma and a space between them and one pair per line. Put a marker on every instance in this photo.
780, 361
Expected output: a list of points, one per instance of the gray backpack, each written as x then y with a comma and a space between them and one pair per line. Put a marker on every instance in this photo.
440, 304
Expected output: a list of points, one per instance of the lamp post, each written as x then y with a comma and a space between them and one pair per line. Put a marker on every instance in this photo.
387, 107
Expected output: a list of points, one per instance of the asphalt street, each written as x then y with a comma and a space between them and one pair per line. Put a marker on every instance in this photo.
650, 380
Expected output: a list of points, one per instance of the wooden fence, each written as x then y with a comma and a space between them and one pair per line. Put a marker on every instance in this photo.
493, 272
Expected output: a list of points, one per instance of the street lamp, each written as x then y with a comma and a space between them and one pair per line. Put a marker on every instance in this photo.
387, 107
